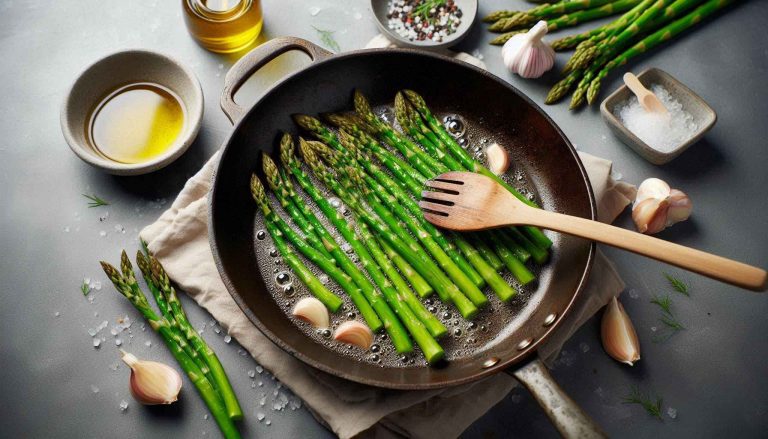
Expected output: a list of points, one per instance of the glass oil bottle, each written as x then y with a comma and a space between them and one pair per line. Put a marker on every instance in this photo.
223, 26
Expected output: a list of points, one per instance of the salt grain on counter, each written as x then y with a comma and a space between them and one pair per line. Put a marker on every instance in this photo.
661, 132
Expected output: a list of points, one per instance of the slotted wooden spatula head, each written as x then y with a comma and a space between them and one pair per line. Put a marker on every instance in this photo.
468, 201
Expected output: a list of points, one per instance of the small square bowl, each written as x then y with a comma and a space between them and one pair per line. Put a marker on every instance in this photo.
704, 116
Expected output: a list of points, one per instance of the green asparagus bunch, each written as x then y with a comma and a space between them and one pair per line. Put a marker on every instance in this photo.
187, 357
599, 51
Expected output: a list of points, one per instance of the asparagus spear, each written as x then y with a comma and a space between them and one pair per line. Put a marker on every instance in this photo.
220, 380
470, 163
366, 305
423, 265
664, 34
175, 344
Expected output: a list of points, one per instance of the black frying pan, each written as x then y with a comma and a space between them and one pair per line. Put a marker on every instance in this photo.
539, 149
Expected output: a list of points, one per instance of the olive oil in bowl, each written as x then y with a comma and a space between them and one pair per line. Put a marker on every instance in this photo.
136, 123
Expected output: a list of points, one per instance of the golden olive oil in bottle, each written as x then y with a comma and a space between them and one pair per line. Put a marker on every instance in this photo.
136, 123
223, 26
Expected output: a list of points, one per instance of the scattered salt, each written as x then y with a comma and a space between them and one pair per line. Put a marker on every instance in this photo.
227, 339
260, 416
66, 229
259, 369
94, 389
57, 314
251, 373
102, 233
253, 384
268, 422
96, 285
661, 132
633, 293
205, 416
148, 343
314, 11
123, 405
672, 413
96, 342
584, 347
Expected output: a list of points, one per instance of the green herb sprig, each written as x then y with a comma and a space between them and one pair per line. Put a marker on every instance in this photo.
326, 36
95, 201
679, 286
667, 318
652, 405
85, 288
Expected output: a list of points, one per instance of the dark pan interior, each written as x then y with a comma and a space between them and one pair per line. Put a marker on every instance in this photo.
538, 147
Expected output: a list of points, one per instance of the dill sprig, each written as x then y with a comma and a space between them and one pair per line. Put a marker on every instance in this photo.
326, 36
424, 8
664, 302
679, 286
672, 323
95, 201
652, 405
85, 288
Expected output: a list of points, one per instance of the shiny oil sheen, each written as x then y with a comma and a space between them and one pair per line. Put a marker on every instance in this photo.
136, 123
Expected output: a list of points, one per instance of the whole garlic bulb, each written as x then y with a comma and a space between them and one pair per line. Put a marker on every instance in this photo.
528, 56
657, 206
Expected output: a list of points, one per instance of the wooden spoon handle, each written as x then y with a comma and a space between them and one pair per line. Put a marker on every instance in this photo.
716, 267
635, 85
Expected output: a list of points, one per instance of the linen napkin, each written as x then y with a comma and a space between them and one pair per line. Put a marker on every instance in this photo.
179, 238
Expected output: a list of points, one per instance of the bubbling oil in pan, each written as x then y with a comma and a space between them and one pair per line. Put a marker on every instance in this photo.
464, 337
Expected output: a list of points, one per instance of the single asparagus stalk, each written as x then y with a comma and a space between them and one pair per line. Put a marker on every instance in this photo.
161, 280
378, 196
573, 19
664, 34
418, 283
571, 41
366, 305
498, 15
539, 255
487, 252
559, 90
470, 163
422, 264
130, 278
543, 12
174, 342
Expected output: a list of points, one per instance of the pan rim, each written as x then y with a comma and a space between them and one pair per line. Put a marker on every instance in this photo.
478, 375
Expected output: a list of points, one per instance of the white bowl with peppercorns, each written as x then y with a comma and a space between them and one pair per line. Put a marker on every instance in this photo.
424, 24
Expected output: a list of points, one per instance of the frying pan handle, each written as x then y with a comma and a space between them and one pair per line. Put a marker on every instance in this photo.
256, 59
569, 419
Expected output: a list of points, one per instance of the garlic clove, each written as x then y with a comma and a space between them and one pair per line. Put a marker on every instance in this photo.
354, 333
313, 312
652, 188
528, 56
650, 215
498, 159
152, 383
680, 207
618, 334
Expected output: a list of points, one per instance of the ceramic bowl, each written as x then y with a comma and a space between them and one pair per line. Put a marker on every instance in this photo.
703, 114
468, 10
114, 71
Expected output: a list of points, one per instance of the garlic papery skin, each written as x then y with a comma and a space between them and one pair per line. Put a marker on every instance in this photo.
528, 56
680, 207
313, 312
498, 159
618, 335
354, 333
650, 215
657, 206
152, 383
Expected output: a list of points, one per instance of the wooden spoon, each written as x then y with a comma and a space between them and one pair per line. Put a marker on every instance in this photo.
647, 99
470, 201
